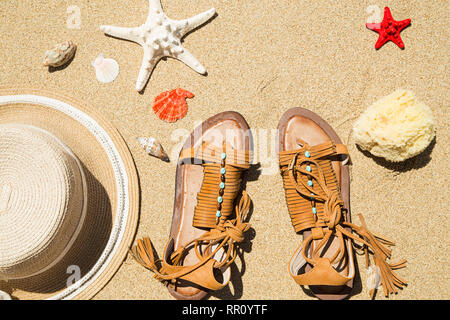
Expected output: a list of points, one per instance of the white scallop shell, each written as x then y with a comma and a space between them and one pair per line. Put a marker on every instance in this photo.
106, 69
4, 296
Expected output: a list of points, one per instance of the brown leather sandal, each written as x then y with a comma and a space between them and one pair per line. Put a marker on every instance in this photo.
315, 171
207, 223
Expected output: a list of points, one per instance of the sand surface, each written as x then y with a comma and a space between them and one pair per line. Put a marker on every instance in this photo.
263, 57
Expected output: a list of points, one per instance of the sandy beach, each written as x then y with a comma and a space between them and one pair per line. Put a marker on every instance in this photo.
263, 58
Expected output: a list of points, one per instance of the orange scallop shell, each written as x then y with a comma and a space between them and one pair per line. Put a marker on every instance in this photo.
171, 105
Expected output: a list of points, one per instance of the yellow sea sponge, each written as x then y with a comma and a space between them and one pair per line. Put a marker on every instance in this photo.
396, 127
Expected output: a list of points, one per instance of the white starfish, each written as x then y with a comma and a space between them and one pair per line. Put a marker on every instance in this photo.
161, 37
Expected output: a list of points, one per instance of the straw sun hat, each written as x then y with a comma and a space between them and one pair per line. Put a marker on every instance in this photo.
69, 197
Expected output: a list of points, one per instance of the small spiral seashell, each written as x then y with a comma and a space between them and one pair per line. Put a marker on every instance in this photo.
153, 148
60, 54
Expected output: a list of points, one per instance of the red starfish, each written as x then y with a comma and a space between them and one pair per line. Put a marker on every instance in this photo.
389, 29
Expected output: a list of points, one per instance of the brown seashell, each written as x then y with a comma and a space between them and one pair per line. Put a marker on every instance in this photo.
60, 54
153, 148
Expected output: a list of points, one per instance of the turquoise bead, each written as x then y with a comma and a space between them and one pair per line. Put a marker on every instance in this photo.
223, 156
218, 214
219, 199
314, 210
310, 183
222, 185
308, 168
223, 171
307, 154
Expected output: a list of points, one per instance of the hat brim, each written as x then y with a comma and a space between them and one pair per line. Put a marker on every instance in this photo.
113, 194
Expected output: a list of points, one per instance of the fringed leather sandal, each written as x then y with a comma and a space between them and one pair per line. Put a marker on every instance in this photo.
210, 210
315, 172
